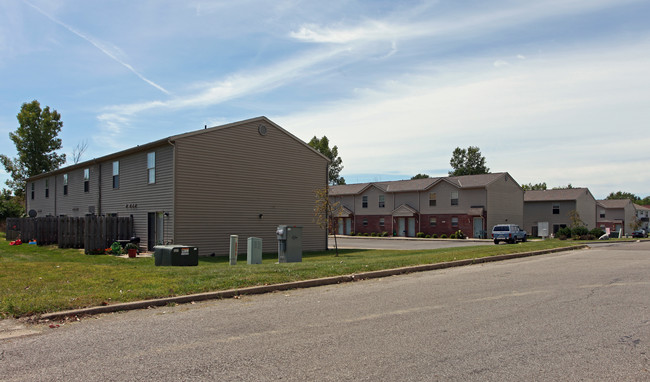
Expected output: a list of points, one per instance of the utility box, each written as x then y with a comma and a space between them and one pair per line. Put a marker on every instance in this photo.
175, 255
289, 244
254, 250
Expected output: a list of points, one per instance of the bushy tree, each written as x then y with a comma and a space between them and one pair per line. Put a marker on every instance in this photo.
326, 213
534, 187
468, 162
623, 195
10, 206
420, 176
336, 163
36, 140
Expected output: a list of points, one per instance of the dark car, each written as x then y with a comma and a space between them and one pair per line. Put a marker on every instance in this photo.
640, 234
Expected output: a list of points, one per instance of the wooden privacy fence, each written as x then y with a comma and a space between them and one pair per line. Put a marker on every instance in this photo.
102, 231
93, 233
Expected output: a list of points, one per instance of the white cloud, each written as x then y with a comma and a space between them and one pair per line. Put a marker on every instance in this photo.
111, 51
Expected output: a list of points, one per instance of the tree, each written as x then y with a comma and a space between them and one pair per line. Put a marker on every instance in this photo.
323, 146
623, 195
468, 162
10, 206
567, 187
421, 176
534, 187
36, 140
79, 150
326, 212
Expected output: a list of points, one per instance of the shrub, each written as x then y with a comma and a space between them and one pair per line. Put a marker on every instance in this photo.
373, 234
443, 236
434, 236
427, 236
366, 234
453, 236
419, 234
579, 231
384, 234
597, 232
562, 237
359, 233
566, 232
460, 234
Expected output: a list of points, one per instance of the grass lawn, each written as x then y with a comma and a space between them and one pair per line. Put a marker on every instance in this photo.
36, 279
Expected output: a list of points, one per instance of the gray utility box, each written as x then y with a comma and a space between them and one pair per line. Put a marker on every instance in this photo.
177, 255
289, 244
254, 250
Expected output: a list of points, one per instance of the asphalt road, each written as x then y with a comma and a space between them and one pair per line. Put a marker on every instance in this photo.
579, 315
401, 243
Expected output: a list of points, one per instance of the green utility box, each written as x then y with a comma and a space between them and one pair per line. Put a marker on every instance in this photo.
176, 255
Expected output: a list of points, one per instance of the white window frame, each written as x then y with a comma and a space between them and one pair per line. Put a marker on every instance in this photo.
151, 167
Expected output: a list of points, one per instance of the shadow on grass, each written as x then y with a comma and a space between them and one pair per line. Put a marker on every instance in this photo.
269, 257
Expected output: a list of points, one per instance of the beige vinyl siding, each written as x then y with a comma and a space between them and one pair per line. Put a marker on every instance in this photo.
536, 212
400, 198
77, 203
505, 202
373, 202
135, 196
42, 205
586, 208
226, 178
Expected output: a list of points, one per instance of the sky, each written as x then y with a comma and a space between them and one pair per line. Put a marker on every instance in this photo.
554, 91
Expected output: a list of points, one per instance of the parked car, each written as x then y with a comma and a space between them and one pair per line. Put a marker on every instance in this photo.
640, 233
510, 233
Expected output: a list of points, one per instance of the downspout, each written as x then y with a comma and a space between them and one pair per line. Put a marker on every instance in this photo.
99, 187
173, 215
55, 191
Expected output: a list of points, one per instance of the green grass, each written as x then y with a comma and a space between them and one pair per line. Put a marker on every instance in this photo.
45, 279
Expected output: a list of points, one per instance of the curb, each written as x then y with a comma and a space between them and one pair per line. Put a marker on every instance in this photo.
294, 285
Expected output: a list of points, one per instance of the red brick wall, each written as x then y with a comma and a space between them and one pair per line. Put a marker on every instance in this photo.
373, 224
443, 226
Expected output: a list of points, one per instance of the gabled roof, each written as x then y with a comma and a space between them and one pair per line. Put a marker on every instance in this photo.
554, 195
641, 208
170, 140
414, 185
614, 203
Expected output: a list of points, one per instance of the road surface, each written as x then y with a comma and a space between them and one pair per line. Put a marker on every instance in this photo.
578, 315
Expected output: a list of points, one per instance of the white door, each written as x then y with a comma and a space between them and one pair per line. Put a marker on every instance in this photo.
341, 232
401, 227
411, 227
478, 228
348, 226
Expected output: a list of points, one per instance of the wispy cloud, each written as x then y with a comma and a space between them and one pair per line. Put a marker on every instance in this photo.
103, 48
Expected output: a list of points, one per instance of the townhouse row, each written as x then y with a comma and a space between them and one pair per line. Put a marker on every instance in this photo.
197, 188
472, 204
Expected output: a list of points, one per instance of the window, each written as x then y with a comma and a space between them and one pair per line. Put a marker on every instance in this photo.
365, 222
116, 174
86, 180
556, 209
364, 202
433, 222
454, 198
382, 202
65, 184
602, 214
32, 191
454, 222
47, 188
151, 167
381, 222
432, 199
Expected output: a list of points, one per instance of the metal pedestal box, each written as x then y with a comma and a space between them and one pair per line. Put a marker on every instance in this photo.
175, 255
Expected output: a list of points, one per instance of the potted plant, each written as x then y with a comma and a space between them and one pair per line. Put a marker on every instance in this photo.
131, 249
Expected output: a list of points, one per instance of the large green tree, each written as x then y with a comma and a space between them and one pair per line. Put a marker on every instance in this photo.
36, 140
420, 176
468, 162
534, 187
336, 163
623, 195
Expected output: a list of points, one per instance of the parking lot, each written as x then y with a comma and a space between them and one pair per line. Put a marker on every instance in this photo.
363, 242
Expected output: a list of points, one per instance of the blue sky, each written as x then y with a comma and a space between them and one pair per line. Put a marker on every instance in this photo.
554, 91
